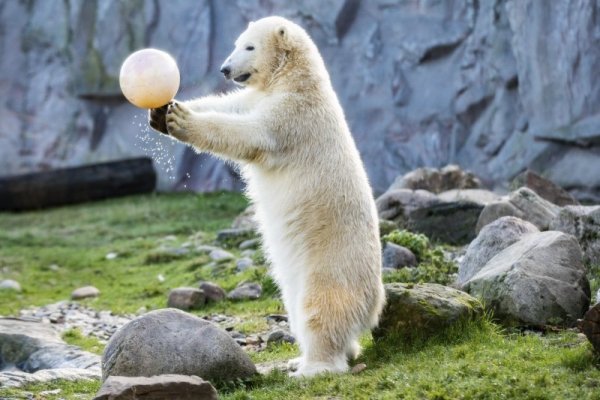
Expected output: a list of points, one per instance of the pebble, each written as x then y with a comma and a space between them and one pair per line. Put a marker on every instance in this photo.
186, 298
358, 368
246, 291
243, 264
53, 267
220, 255
278, 337
111, 256
212, 291
248, 253
250, 244
160, 278
9, 284
85, 292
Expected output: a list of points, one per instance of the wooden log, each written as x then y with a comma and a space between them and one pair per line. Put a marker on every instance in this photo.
77, 185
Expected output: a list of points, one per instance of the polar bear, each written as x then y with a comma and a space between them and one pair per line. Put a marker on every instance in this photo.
314, 205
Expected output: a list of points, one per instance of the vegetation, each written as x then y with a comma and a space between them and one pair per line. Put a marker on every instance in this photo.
477, 360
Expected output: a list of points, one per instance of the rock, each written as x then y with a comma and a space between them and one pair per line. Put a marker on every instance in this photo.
206, 249
397, 257
10, 285
84, 293
278, 337
477, 196
545, 188
212, 291
522, 203
220, 255
395, 205
170, 341
41, 355
422, 310
358, 368
246, 291
492, 239
244, 263
590, 326
185, 298
437, 180
452, 223
386, 226
538, 280
583, 222
111, 256
250, 244
170, 386
246, 219
233, 237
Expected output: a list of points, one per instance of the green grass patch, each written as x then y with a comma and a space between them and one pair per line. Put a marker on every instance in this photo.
75, 337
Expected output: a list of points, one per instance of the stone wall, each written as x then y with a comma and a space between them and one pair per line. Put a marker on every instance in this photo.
494, 86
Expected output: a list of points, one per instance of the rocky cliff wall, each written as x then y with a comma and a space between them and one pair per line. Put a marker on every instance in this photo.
494, 86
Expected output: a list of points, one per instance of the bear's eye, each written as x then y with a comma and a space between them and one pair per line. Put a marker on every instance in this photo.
250, 48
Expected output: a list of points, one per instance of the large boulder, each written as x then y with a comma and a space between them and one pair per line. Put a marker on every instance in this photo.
478, 196
421, 310
583, 222
545, 188
523, 203
536, 281
397, 204
170, 341
492, 239
396, 257
179, 387
453, 223
437, 180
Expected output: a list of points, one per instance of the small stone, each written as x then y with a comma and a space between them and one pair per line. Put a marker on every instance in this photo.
396, 257
243, 264
185, 298
212, 291
220, 255
253, 340
248, 253
206, 249
277, 318
85, 292
160, 278
9, 284
234, 236
111, 256
250, 244
171, 386
358, 368
53, 267
246, 291
279, 337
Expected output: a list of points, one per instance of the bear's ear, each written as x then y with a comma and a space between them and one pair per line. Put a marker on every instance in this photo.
282, 37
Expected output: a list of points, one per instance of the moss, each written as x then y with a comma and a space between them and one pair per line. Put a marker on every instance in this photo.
415, 242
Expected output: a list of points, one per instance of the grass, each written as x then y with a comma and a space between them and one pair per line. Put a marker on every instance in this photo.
475, 361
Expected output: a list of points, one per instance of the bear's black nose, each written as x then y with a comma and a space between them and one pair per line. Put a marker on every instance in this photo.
226, 71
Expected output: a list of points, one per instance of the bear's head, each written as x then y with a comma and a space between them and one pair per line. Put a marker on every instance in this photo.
263, 50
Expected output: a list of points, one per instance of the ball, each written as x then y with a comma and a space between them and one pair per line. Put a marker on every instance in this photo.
149, 78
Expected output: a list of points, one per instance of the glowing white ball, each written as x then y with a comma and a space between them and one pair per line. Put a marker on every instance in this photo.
149, 78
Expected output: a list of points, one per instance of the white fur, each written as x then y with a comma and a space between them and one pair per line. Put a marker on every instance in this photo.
304, 174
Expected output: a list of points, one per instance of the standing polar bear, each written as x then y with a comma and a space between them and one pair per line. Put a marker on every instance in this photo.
314, 206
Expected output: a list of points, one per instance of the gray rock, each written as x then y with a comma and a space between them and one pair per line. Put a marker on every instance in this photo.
10, 285
244, 263
477, 196
545, 188
522, 203
396, 257
250, 244
212, 291
85, 292
452, 223
583, 222
179, 387
246, 219
492, 239
234, 236
538, 280
396, 204
246, 291
185, 298
278, 337
422, 310
170, 341
220, 255
437, 180
41, 355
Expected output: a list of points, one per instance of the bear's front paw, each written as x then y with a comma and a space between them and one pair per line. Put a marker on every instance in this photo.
178, 119
157, 118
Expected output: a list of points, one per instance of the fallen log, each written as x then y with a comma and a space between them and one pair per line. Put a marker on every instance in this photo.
77, 185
